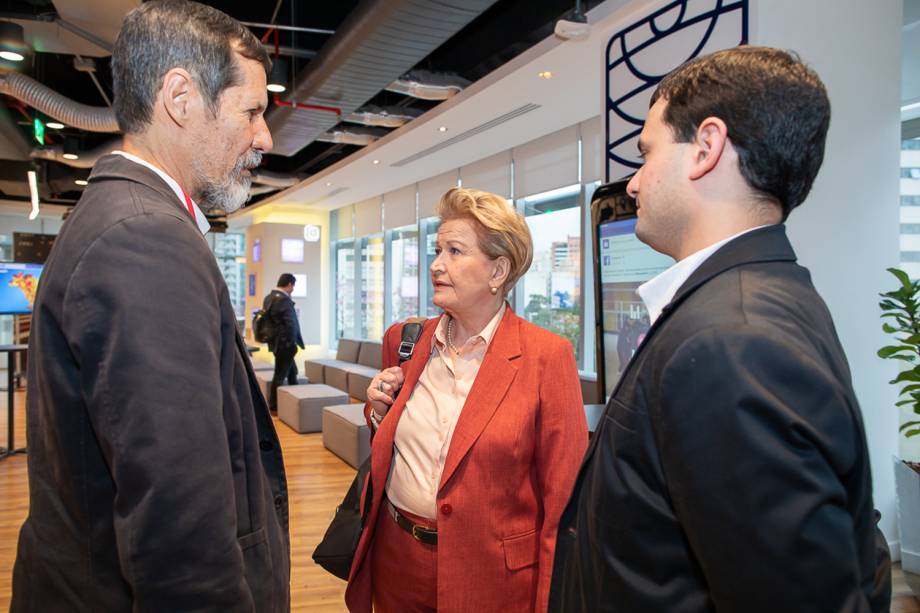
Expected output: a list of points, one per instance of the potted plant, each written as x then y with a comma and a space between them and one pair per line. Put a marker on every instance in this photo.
901, 315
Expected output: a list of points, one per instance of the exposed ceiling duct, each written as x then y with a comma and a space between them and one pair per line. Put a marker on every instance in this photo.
274, 179
85, 159
352, 135
391, 117
88, 158
428, 85
378, 42
57, 106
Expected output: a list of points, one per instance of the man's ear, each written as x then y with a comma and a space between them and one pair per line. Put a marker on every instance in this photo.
178, 95
710, 142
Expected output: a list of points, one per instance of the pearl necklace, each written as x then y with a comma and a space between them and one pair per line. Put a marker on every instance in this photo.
450, 334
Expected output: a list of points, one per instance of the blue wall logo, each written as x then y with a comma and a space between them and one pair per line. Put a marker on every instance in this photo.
639, 56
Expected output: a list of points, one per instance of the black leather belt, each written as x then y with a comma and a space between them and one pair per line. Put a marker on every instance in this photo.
418, 532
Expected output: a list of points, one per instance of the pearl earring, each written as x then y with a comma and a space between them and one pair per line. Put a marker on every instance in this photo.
494, 290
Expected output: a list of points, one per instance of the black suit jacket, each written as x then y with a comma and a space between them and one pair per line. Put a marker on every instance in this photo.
730, 471
280, 307
155, 475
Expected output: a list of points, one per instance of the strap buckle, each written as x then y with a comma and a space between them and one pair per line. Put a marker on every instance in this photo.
416, 532
405, 350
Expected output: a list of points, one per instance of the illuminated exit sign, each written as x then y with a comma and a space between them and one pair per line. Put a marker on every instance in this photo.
38, 129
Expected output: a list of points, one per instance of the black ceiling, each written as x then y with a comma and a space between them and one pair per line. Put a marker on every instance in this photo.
499, 34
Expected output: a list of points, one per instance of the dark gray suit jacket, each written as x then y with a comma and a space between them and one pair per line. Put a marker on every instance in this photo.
155, 474
730, 471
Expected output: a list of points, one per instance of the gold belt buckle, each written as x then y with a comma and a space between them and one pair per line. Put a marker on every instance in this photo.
415, 533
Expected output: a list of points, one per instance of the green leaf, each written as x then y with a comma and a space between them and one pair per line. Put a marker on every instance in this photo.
891, 329
890, 350
909, 424
901, 276
907, 375
906, 358
905, 402
912, 433
909, 388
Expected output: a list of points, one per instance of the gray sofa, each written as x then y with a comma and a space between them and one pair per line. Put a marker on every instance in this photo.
355, 364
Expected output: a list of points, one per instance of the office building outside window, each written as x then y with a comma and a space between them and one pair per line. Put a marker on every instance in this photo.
372, 293
403, 272
910, 207
345, 313
551, 289
431, 226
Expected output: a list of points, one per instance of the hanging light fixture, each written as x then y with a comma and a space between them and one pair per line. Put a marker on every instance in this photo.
277, 80
13, 46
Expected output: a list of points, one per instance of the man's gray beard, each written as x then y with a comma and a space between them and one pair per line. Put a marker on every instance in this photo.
231, 193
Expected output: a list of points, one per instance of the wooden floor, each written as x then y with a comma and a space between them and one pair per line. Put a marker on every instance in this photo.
317, 481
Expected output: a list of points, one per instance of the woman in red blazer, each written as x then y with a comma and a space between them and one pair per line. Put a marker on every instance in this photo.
478, 437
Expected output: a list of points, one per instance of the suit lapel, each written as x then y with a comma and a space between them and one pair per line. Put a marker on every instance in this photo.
492, 382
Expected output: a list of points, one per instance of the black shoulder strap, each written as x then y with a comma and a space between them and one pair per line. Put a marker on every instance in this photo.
411, 332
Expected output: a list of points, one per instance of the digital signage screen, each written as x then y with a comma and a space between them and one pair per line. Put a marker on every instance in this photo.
18, 285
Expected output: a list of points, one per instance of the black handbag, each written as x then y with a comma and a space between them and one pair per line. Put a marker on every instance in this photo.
336, 551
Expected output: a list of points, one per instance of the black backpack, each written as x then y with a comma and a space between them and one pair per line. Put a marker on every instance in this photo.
263, 325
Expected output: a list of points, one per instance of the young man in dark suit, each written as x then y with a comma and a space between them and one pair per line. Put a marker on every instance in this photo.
279, 306
156, 481
730, 472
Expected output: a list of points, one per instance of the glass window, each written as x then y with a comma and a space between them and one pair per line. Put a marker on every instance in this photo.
910, 207
230, 251
345, 315
403, 271
431, 234
551, 289
372, 294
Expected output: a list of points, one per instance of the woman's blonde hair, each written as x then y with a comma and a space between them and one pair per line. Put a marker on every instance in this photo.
502, 231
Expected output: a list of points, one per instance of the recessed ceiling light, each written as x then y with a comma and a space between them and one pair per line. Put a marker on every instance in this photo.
376, 161
70, 156
275, 88
546, 74
81, 182
328, 183
442, 129
55, 125
12, 56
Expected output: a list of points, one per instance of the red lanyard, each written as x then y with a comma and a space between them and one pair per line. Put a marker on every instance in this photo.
191, 207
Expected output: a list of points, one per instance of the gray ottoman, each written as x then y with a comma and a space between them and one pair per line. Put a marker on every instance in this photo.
258, 365
345, 432
264, 377
301, 406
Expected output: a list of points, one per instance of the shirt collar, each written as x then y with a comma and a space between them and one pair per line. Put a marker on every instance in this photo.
200, 220
658, 291
486, 334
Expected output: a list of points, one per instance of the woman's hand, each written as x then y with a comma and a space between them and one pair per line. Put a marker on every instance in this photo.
383, 389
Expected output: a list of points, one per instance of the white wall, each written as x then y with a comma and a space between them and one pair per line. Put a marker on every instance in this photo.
846, 233
21, 223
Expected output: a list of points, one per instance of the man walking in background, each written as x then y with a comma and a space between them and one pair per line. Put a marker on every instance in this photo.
156, 481
279, 307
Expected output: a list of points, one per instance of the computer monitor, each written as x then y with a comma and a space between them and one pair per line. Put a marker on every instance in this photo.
18, 285
621, 264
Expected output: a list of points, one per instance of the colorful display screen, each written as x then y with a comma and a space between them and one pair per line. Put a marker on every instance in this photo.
625, 264
18, 285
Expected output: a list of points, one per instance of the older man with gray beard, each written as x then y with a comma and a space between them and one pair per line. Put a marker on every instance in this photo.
155, 474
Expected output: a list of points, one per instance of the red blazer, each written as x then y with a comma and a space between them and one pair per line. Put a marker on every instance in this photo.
509, 471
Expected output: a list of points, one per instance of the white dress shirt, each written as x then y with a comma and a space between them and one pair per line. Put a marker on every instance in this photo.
427, 423
659, 291
200, 220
